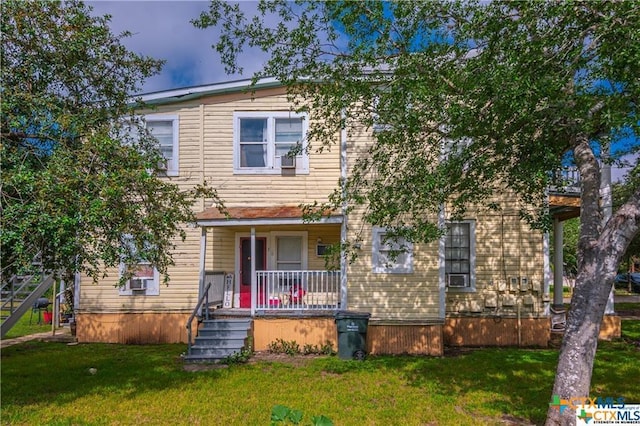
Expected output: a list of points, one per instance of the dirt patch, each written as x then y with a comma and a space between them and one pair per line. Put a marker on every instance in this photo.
296, 360
203, 366
455, 351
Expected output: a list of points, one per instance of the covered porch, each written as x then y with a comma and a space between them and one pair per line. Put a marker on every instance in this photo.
266, 261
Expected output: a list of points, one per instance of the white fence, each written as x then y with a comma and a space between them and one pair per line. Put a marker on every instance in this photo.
299, 290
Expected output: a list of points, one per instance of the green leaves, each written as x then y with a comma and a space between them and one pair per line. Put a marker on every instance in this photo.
516, 85
72, 182
283, 414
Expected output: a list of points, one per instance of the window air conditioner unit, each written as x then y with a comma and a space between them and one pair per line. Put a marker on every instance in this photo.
138, 284
458, 280
287, 162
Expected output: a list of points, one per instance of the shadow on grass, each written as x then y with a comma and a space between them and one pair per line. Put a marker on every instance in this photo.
39, 372
515, 382
481, 382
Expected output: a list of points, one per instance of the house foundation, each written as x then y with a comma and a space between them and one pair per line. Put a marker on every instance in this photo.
497, 331
131, 328
412, 339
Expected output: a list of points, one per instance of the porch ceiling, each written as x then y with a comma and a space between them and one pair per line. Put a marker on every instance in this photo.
283, 214
564, 207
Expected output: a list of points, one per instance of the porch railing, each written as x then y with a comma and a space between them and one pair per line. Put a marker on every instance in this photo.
298, 290
568, 179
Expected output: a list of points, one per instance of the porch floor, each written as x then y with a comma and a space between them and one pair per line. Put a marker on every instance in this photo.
282, 313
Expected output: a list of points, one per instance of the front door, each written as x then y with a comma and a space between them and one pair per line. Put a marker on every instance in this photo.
245, 267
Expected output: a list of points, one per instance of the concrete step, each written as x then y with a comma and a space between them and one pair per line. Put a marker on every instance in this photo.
219, 343
222, 334
226, 324
219, 338
198, 352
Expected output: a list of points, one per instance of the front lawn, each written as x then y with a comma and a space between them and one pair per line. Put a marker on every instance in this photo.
51, 383
28, 324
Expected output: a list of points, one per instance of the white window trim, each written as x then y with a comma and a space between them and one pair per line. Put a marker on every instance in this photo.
472, 259
173, 165
273, 166
396, 268
272, 247
149, 291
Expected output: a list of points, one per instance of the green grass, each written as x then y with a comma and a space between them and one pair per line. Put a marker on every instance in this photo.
50, 383
28, 324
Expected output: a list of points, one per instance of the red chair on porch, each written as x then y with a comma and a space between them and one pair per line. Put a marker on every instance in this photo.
296, 293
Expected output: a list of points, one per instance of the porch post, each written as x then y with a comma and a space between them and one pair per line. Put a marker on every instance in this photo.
254, 281
203, 262
558, 267
607, 210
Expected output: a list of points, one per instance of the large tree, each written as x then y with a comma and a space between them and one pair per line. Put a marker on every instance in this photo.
80, 188
467, 98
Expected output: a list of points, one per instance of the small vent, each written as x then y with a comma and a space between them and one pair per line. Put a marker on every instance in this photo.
321, 249
458, 280
287, 162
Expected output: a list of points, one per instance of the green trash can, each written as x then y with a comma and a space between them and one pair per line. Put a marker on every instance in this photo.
352, 334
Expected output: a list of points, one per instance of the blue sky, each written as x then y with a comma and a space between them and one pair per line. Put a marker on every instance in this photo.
161, 29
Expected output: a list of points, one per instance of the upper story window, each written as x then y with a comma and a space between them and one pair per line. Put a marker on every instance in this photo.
391, 255
268, 142
165, 129
460, 256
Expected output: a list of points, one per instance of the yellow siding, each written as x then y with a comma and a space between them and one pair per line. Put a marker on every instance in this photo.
505, 246
180, 294
243, 190
390, 297
206, 154
408, 297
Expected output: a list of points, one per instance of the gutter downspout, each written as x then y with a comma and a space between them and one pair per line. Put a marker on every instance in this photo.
546, 266
343, 227
442, 288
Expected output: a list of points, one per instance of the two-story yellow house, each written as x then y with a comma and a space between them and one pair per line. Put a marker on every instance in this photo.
485, 283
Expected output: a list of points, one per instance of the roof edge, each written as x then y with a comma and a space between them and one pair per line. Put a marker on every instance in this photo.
194, 92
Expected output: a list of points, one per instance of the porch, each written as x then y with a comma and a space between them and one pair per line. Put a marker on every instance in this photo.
273, 260
295, 293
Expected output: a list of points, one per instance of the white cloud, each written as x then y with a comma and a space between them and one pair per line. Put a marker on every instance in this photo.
162, 30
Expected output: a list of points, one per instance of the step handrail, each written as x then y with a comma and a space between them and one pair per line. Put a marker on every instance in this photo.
26, 304
204, 299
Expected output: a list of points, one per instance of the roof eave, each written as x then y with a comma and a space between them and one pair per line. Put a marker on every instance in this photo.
189, 93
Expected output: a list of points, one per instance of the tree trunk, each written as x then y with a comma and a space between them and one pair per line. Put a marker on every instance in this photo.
575, 365
600, 251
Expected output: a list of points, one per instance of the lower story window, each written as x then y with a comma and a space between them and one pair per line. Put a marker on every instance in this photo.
391, 255
144, 281
289, 253
460, 256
